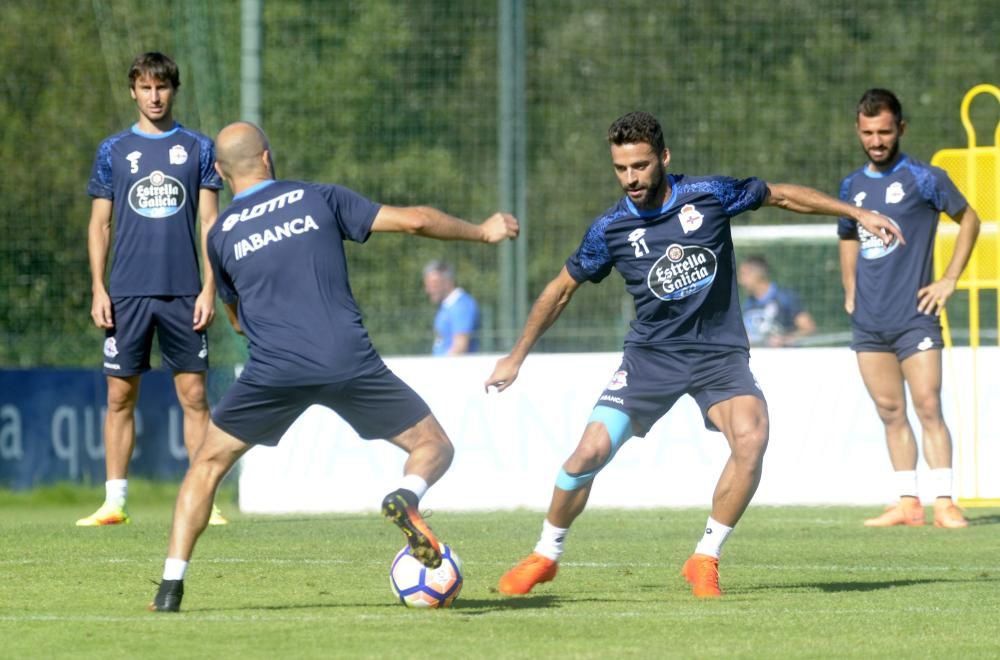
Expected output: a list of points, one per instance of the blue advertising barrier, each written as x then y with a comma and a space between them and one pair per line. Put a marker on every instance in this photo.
51, 427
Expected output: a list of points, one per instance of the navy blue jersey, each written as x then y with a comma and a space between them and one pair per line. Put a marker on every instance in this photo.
913, 194
279, 250
153, 181
677, 261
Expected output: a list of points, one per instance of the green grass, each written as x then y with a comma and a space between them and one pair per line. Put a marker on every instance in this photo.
801, 582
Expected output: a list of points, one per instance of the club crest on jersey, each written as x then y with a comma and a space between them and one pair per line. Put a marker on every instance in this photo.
682, 271
133, 161
157, 195
872, 246
618, 381
690, 218
178, 155
859, 198
894, 193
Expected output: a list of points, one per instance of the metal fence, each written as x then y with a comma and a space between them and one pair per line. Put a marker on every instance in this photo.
469, 106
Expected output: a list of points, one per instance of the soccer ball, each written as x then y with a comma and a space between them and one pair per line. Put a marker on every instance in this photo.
418, 586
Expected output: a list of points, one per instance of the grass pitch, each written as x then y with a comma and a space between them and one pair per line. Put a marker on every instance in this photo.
800, 582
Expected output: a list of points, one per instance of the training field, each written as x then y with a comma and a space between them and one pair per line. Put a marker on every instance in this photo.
800, 582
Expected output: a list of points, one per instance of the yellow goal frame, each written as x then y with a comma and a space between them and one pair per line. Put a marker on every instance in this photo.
975, 170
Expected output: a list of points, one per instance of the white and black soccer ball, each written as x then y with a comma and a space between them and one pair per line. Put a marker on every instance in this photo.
418, 586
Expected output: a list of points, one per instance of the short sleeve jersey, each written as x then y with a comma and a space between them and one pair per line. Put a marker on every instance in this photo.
154, 181
912, 194
677, 261
278, 251
457, 314
772, 314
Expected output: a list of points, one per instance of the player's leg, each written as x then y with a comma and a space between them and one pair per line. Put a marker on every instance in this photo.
922, 371
429, 455
190, 386
119, 443
192, 510
185, 351
126, 355
606, 431
380, 405
743, 420
883, 378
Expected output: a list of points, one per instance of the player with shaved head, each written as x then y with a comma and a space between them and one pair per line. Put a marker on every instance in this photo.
278, 257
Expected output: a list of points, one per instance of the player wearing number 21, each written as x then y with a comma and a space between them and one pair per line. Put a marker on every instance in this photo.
894, 302
669, 238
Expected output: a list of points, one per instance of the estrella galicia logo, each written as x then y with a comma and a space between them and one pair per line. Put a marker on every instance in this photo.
682, 271
157, 195
872, 246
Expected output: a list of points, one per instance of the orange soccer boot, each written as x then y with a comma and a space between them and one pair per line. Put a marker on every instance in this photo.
947, 515
400, 508
908, 511
702, 571
531, 570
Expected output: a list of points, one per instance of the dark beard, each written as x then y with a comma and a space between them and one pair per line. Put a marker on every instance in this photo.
891, 156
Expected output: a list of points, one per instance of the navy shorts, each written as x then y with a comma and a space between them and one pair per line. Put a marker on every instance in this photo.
376, 405
903, 343
650, 381
127, 345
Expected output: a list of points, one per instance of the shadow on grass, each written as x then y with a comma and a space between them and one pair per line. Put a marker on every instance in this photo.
477, 606
468, 606
993, 519
872, 585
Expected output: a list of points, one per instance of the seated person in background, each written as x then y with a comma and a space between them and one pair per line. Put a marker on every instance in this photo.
772, 315
456, 324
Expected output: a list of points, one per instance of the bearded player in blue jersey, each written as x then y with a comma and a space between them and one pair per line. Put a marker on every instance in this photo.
156, 179
278, 256
894, 302
669, 238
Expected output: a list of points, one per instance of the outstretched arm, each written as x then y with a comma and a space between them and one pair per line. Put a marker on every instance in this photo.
932, 298
432, 223
801, 199
544, 312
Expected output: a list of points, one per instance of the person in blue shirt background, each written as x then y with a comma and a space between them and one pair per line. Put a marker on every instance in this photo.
456, 324
772, 315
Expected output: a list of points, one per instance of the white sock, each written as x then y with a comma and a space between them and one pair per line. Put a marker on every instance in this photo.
906, 483
940, 479
115, 492
550, 544
715, 535
174, 569
415, 484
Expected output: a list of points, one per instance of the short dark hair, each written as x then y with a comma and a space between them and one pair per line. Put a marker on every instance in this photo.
155, 65
759, 262
876, 99
635, 128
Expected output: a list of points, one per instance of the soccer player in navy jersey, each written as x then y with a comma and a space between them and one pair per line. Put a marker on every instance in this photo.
669, 237
278, 256
156, 179
894, 301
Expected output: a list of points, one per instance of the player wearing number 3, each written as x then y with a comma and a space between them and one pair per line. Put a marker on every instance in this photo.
894, 303
669, 237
